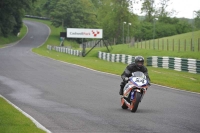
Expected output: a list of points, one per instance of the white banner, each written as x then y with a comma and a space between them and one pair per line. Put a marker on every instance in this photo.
84, 33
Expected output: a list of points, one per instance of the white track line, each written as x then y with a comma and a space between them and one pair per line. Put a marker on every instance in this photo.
28, 116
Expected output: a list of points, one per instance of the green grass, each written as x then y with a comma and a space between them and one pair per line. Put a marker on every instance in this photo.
11, 38
181, 42
139, 48
181, 80
125, 49
13, 121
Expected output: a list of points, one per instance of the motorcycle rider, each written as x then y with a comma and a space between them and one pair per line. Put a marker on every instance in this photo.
138, 65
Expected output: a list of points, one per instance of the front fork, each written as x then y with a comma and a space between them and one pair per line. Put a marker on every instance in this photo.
143, 91
133, 94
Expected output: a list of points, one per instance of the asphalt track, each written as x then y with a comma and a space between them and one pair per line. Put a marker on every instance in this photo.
66, 98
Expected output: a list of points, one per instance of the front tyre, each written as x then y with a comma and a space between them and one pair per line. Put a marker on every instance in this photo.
135, 102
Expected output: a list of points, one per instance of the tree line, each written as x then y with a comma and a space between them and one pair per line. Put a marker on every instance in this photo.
11, 15
108, 15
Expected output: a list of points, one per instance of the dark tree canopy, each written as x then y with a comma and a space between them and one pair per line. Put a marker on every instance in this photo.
108, 15
11, 14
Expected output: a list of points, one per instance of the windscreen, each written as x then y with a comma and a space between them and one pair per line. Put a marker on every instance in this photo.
139, 74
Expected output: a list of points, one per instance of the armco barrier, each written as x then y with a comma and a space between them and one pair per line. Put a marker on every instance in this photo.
178, 64
127, 59
64, 50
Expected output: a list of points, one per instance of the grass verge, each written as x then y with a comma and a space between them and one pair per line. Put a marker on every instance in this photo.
180, 80
13, 121
12, 38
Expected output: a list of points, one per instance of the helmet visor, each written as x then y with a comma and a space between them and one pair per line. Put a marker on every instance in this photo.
140, 64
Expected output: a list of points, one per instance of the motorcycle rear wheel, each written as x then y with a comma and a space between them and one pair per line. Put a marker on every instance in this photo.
135, 102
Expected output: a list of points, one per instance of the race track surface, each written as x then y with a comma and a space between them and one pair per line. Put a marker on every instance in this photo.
70, 99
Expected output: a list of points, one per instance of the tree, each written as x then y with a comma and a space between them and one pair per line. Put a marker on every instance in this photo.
145, 30
74, 14
11, 15
148, 9
183, 27
197, 19
165, 29
108, 15
49, 6
112, 14
162, 12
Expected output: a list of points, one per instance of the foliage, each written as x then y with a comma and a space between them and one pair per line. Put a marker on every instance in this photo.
37, 8
148, 9
75, 14
158, 23
11, 15
12, 38
163, 29
106, 14
197, 19
145, 31
110, 16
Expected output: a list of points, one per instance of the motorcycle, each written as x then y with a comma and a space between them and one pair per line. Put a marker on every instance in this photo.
134, 91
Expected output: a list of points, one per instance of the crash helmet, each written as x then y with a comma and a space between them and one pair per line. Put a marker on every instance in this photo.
139, 61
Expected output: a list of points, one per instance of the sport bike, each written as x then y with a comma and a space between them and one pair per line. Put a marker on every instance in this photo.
134, 91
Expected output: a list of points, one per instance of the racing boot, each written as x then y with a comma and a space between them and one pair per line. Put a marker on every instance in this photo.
121, 91
121, 88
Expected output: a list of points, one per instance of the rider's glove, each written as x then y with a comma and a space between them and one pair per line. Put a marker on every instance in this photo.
126, 79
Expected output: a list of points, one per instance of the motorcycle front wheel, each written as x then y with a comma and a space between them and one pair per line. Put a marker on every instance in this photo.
135, 102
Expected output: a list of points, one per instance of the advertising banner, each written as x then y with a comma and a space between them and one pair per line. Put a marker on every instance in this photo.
84, 33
